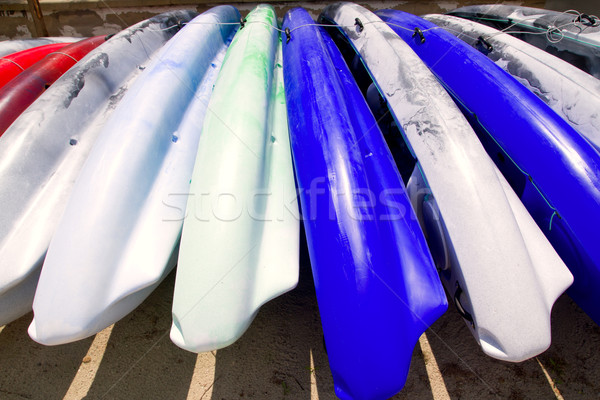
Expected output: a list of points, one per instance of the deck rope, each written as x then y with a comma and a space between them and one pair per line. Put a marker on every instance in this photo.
288, 33
12, 61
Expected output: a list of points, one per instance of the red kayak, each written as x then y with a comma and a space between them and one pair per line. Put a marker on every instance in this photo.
13, 64
21, 91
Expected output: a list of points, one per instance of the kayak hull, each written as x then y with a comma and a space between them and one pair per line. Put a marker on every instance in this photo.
13, 46
376, 283
113, 244
240, 238
24, 89
13, 64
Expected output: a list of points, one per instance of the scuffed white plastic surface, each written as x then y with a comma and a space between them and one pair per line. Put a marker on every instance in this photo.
118, 236
43, 151
572, 93
509, 273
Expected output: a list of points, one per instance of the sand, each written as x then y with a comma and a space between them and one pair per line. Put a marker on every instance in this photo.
281, 356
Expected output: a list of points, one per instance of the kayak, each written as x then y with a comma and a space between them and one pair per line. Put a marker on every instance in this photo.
240, 239
486, 246
376, 283
570, 92
12, 46
24, 89
13, 64
570, 35
43, 151
115, 243
554, 170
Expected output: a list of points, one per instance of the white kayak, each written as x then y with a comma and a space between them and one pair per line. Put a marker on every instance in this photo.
569, 91
118, 236
240, 240
43, 151
497, 265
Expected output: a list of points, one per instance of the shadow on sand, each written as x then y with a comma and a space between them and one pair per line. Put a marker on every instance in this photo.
272, 360
140, 361
33, 371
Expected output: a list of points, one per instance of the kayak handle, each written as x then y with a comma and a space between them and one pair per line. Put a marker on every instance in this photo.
420, 33
587, 20
459, 307
358, 23
481, 40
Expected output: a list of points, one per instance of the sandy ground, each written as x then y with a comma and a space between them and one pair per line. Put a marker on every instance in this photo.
281, 356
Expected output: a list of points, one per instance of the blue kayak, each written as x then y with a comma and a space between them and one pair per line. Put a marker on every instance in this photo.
554, 170
376, 283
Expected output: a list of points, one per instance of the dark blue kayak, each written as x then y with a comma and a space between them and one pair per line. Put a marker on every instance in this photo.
376, 283
554, 170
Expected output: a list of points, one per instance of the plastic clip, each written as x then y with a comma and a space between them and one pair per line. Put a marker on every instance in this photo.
420, 33
288, 35
242, 23
358, 23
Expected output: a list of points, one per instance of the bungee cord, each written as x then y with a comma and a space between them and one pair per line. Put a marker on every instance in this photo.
553, 33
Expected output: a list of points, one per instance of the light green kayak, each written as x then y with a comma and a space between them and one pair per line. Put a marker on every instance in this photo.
240, 240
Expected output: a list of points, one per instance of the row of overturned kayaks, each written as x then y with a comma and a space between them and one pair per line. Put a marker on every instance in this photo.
425, 156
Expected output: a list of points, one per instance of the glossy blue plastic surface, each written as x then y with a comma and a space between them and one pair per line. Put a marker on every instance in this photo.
551, 167
376, 283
